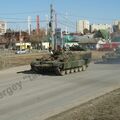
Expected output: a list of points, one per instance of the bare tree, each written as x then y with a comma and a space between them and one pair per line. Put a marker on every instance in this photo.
37, 38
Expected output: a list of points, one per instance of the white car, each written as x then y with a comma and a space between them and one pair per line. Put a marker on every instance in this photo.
23, 51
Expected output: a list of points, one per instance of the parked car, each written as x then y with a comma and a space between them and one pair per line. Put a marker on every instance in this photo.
23, 51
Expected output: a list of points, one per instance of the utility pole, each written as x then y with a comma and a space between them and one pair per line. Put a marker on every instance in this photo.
51, 24
20, 39
56, 20
46, 25
29, 25
66, 28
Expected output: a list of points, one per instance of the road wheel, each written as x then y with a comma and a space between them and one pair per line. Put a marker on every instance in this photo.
79, 69
60, 72
71, 70
84, 67
67, 71
75, 70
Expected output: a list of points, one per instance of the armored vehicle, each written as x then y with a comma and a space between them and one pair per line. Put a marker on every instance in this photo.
62, 63
112, 56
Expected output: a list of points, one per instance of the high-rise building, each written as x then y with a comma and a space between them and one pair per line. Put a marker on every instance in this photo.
95, 27
82, 25
115, 22
119, 25
3, 27
116, 25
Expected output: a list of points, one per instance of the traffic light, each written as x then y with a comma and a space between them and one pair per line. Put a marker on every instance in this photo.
50, 24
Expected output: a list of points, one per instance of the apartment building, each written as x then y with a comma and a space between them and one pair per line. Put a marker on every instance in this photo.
94, 27
116, 25
3, 27
81, 25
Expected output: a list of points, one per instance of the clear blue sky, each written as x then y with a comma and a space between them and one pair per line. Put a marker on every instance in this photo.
96, 11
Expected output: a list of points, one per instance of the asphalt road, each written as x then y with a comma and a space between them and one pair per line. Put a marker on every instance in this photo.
26, 96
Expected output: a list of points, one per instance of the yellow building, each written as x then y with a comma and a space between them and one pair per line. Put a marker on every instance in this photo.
22, 45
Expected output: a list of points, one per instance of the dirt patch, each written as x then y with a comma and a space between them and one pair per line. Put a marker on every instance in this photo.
98, 54
17, 60
106, 107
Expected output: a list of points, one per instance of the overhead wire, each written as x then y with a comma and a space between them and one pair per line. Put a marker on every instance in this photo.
87, 17
66, 22
30, 12
25, 21
66, 25
65, 19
